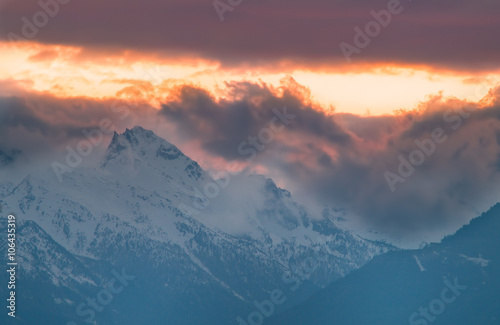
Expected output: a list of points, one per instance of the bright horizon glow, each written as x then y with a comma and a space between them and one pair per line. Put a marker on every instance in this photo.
58, 71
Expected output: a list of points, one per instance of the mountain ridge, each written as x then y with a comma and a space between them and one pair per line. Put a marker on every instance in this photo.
127, 210
392, 288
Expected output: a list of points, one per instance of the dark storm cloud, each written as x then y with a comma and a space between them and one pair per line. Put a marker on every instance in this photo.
448, 33
458, 180
38, 123
341, 159
222, 125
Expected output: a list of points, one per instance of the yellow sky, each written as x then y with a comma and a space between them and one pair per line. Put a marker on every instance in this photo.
63, 71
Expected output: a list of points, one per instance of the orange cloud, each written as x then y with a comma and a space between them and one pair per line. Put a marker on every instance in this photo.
365, 88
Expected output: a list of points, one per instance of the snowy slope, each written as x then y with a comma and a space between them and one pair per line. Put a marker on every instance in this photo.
128, 208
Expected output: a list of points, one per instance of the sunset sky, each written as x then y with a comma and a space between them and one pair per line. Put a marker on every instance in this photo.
206, 74
97, 49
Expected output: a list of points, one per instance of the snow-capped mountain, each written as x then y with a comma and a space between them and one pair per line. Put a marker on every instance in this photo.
197, 258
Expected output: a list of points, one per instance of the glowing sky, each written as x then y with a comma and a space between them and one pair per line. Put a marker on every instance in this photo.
380, 89
98, 49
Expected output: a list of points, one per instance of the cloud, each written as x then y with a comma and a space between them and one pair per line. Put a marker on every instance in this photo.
331, 159
457, 181
341, 159
41, 125
248, 108
451, 34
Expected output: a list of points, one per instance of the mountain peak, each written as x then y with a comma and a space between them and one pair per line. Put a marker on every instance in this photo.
138, 136
140, 147
137, 142
138, 132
